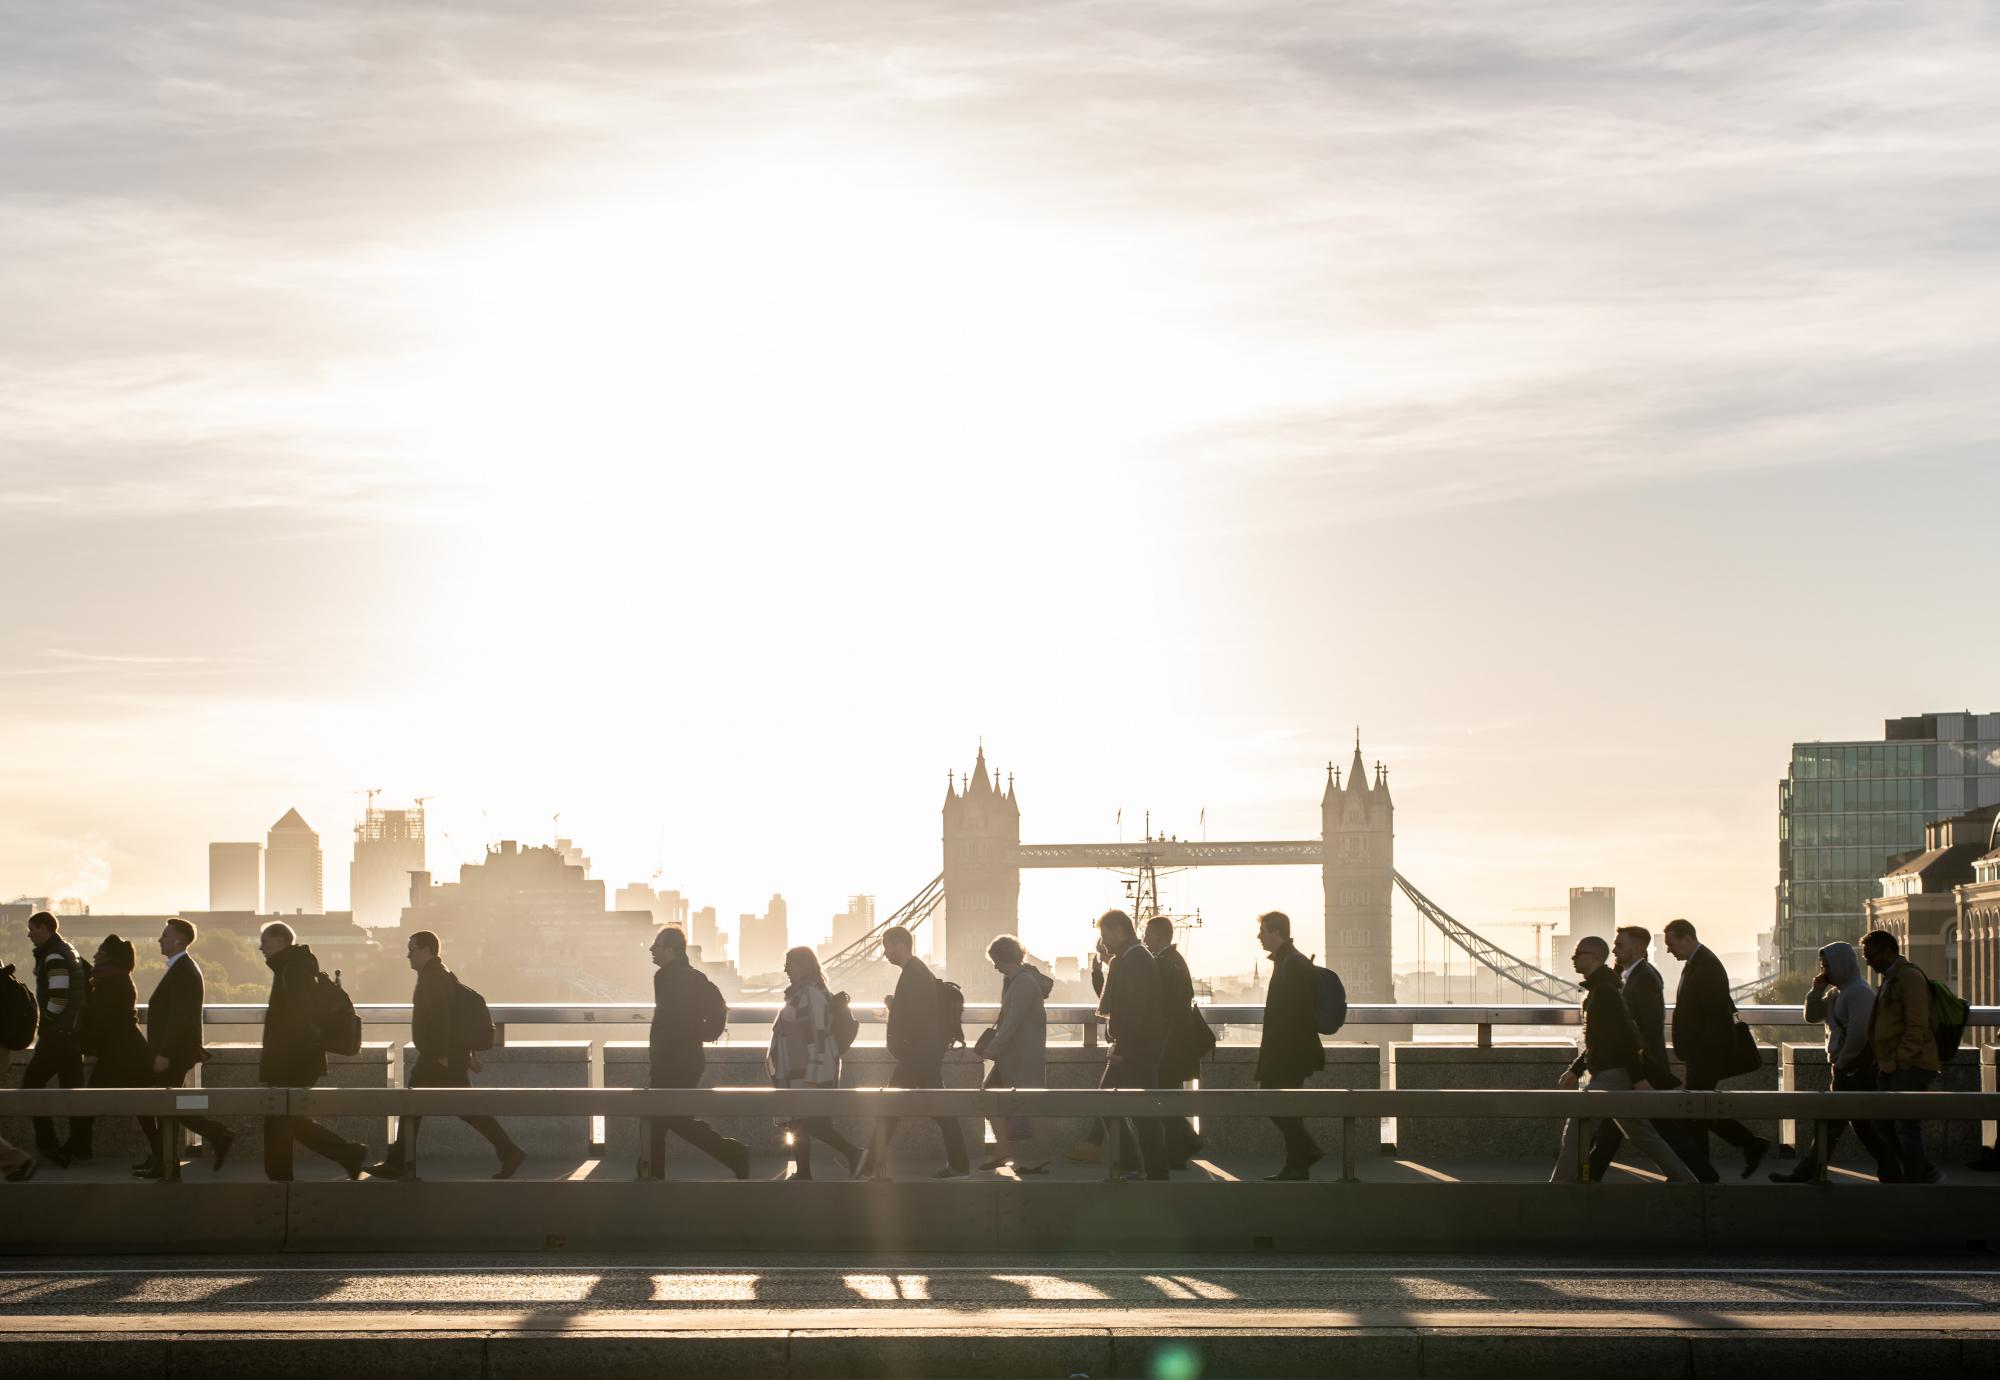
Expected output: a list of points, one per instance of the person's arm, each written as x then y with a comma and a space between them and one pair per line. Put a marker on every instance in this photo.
65, 989
1854, 1008
1013, 1015
1816, 1000
1915, 993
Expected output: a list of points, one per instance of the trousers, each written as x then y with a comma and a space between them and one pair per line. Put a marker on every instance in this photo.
435, 1073
926, 1075
1640, 1132
1136, 1068
56, 1057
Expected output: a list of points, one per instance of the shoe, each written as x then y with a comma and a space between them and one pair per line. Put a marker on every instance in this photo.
151, 1171
1754, 1156
1042, 1168
1288, 1175
1196, 1146
738, 1159
950, 1173
1801, 1175
1313, 1158
997, 1162
220, 1149
151, 1162
23, 1172
1985, 1162
511, 1162
1083, 1152
356, 1163
384, 1169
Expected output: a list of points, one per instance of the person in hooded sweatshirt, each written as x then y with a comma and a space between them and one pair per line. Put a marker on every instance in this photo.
294, 1057
1841, 999
1018, 1045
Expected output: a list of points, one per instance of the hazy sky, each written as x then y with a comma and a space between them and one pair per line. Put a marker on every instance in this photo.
706, 422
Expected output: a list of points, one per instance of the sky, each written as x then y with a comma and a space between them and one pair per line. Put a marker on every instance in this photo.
693, 430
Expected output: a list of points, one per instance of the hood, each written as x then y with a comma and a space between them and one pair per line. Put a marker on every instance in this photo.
297, 956
1843, 965
1028, 972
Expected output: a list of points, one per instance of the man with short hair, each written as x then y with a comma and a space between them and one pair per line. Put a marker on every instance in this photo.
294, 1056
917, 1043
1137, 1034
443, 1061
1610, 1061
1180, 1060
677, 1060
1906, 1052
173, 1035
1705, 1038
1288, 1049
1644, 992
60, 989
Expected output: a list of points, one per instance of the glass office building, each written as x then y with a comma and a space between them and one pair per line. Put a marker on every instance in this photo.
1845, 809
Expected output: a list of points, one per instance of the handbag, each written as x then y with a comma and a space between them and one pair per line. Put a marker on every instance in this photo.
1744, 1056
984, 1042
1201, 1035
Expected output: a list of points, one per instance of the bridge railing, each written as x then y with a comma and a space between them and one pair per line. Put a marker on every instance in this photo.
1346, 1106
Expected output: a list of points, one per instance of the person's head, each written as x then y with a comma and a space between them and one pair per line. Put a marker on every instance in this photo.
1159, 934
1681, 940
115, 954
276, 938
802, 968
1114, 929
1590, 955
423, 949
1629, 945
669, 946
1880, 949
42, 927
176, 936
1006, 953
897, 945
1838, 964
1274, 930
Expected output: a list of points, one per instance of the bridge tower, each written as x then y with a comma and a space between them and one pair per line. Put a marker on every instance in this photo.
982, 878
1357, 824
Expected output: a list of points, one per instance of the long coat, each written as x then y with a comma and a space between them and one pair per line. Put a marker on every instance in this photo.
1020, 1045
1704, 1013
110, 1029
1289, 1051
1181, 1060
293, 1055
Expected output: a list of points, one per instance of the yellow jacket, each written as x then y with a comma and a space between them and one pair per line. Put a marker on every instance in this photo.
1899, 1026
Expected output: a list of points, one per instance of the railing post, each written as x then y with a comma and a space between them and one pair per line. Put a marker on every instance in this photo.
1822, 1150
1347, 1174
1090, 1032
499, 1034
1485, 1035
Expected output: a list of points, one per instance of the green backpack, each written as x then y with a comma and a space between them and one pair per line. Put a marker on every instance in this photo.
1949, 1014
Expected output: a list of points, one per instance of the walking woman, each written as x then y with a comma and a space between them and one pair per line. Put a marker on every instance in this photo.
110, 1030
806, 1054
1018, 1045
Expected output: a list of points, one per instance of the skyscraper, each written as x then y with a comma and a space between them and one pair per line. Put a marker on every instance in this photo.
1845, 808
851, 924
292, 868
1592, 910
388, 847
765, 938
705, 933
236, 876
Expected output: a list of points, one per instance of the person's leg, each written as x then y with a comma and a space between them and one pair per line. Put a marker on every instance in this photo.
1655, 1147
1152, 1131
1917, 1166
1572, 1139
731, 1153
277, 1149
54, 1059
1604, 1147
878, 1153
823, 1130
12, 1161
323, 1141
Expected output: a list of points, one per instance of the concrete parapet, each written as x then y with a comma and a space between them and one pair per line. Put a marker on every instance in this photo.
1347, 1066
113, 1137
235, 1066
1948, 1142
537, 1064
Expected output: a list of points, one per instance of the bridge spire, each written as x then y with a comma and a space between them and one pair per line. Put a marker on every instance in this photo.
1357, 770
1332, 791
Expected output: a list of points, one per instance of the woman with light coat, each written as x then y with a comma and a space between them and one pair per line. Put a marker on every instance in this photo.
805, 1053
1018, 1045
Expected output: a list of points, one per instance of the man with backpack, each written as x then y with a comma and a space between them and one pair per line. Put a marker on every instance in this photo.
449, 1026
688, 1012
62, 981
299, 1027
1289, 1051
19, 1015
923, 1013
1906, 1048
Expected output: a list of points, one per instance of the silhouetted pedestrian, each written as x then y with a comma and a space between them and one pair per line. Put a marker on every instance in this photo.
805, 1053
445, 1059
16, 1165
60, 991
1644, 992
1842, 1000
688, 1011
108, 1032
1137, 1033
294, 1056
174, 1039
1706, 1039
1905, 1046
1609, 1061
1180, 1059
917, 1042
1018, 1045
1288, 1050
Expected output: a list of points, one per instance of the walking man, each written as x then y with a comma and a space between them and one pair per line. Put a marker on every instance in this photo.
444, 1060
1289, 1051
60, 992
1609, 1061
1842, 1000
1180, 1060
1644, 993
1705, 1038
173, 1035
1137, 1034
294, 1056
917, 1042
1906, 1052
680, 997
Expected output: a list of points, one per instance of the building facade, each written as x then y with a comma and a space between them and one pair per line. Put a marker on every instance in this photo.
236, 876
1977, 930
388, 847
762, 940
1846, 808
293, 868
1358, 826
1921, 903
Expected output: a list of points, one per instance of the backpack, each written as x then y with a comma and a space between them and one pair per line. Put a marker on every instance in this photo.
846, 1025
1948, 1017
334, 1016
19, 1014
471, 1021
712, 1014
79, 989
951, 1014
1329, 1000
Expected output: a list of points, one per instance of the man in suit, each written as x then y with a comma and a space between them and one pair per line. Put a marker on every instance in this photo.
173, 1035
1130, 1007
1181, 1060
917, 1043
1289, 1051
1645, 998
1704, 1038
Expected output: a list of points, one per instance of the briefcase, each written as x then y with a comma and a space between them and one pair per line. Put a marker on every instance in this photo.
1744, 1056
